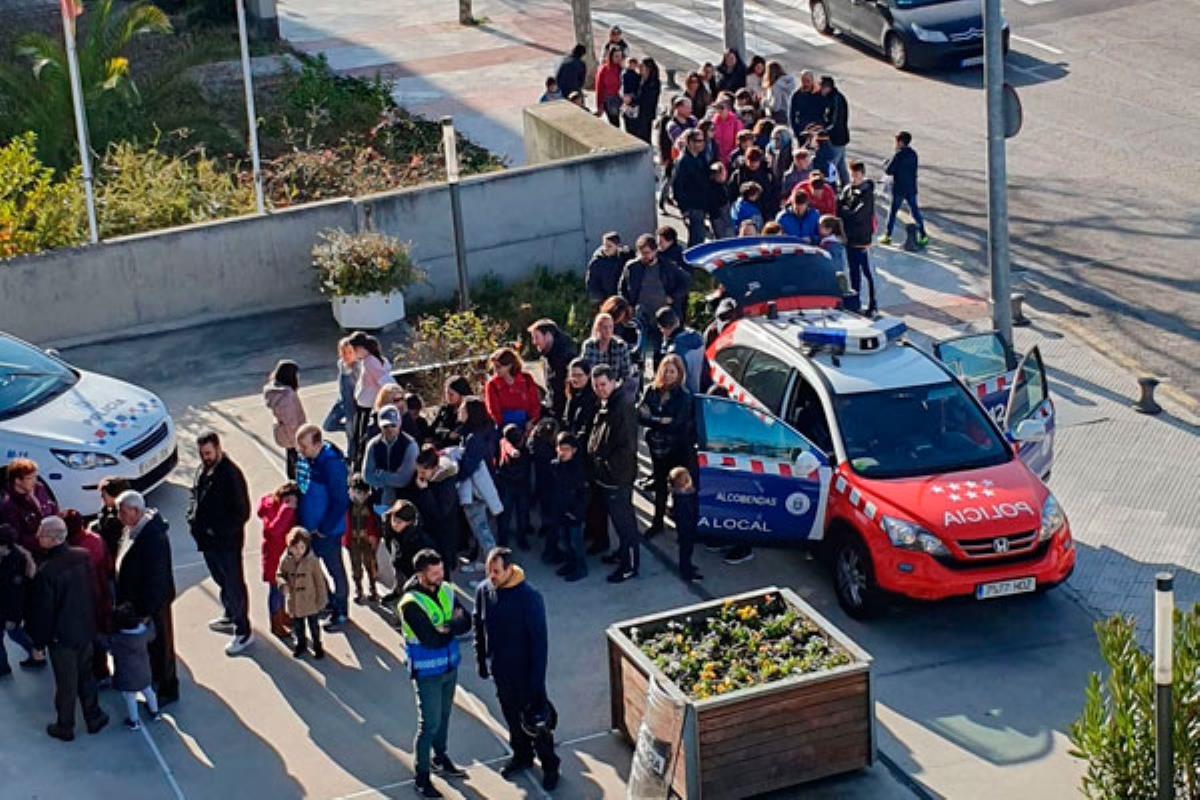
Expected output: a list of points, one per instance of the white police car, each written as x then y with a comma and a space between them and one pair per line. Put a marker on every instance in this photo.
80, 427
916, 475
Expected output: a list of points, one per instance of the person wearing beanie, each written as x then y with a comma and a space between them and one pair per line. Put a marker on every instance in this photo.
405, 537
445, 423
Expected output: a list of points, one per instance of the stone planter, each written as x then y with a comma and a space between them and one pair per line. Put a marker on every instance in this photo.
369, 312
761, 738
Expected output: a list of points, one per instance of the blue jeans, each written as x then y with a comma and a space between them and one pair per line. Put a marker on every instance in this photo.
274, 600
329, 550
477, 518
839, 160
619, 505
696, 230
435, 701
19, 636
911, 199
858, 260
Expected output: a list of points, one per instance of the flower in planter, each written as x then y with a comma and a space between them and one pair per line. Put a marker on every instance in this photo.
359, 264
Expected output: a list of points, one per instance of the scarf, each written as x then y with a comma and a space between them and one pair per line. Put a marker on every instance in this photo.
303, 474
515, 578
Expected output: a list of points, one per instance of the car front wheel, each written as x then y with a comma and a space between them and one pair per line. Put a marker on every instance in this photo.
897, 51
820, 17
854, 578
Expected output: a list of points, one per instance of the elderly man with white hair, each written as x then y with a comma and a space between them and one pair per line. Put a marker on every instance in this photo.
62, 618
145, 581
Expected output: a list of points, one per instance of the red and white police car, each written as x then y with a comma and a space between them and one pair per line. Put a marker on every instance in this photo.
915, 474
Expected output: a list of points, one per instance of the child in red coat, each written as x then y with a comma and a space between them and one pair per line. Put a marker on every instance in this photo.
277, 511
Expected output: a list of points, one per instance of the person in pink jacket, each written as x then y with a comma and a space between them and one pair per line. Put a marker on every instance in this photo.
281, 396
726, 125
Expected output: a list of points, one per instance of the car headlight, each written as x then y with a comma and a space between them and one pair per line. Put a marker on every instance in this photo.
1053, 518
84, 459
908, 536
927, 35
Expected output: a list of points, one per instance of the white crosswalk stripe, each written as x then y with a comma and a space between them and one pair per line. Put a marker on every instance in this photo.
688, 50
791, 26
682, 14
1035, 2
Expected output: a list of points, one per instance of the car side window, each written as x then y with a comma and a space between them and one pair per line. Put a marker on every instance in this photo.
807, 415
731, 428
733, 360
767, 379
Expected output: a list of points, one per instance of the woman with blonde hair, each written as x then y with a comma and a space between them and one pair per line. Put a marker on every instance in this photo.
390, 394
604, 347
666, 412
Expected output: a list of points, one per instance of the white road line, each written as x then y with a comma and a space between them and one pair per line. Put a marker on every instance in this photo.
755, 44
162, 763
1036, 2
776, 22
1035, 43
685, 49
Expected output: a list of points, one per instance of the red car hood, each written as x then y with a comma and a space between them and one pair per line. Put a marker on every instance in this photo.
972, 504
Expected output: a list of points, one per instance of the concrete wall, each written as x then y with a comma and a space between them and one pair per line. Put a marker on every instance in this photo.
552, 214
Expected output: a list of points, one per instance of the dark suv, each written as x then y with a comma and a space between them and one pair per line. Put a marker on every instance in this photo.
911, 33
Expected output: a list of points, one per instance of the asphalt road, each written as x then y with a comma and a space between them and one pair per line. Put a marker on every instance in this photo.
1101, 177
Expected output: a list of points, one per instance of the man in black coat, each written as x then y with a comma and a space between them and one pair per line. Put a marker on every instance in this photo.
216, 515
807, 107
856, 207
689, 186
837, 126
649, 283
511, 646
572, 71
62, 617
612, 454
146, 581
604, 268
554, 345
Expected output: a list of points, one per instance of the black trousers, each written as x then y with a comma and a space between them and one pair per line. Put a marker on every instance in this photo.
74, 682
361, 426
662, 466
314, 627
512, 702
162, 656
227, 571
290, 458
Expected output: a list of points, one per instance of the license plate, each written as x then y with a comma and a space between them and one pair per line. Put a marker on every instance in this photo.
973, 61
154, 460
986, 591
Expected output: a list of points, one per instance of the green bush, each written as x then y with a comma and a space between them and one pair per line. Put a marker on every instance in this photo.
560, 296
143, 190
357, 264
36, 211
1115, 732
440, 341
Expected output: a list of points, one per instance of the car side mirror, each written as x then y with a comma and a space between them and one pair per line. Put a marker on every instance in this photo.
807, 463
1030, 430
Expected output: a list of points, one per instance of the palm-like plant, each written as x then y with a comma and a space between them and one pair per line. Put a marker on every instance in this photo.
38, 99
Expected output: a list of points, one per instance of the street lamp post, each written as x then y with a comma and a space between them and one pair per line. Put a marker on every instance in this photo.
251, 116
1164, 752
450, 149
997, 172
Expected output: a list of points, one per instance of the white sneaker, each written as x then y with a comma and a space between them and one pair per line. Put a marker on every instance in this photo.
239, 643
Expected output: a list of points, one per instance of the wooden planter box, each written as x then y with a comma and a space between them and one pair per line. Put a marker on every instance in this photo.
757, 739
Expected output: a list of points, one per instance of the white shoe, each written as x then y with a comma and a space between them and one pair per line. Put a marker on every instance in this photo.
239, 643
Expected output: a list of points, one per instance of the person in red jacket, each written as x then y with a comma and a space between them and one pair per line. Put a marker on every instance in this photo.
24, 503
511, 394
277, 511
821, 195
102, 571
608, 86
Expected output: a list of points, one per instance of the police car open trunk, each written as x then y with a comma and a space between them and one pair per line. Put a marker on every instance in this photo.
775, 696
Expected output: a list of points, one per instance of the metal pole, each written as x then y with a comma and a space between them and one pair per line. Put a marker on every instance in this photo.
81, 131
997, 173
1164, 752
450, 148
251, 117
733, 15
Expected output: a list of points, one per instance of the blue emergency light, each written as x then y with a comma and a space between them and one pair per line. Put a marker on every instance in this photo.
844, 333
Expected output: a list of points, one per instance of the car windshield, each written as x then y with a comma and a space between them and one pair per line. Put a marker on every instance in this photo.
29, 378
917, 430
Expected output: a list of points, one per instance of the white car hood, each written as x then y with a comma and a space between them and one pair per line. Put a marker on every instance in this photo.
98, 412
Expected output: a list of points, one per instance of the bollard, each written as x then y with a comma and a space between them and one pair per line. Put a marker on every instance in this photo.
671, 84
1146, 404
1164, 751
1018, 316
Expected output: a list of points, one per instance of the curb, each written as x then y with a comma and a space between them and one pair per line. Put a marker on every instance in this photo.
908, 781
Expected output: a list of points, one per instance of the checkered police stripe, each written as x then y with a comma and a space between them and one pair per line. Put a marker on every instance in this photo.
757, 466
855, 498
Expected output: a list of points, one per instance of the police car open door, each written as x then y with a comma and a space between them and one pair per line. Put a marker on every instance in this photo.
761, 482
1012, 397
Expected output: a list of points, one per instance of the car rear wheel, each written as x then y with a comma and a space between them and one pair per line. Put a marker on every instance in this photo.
854, 578
820, 17
897, 51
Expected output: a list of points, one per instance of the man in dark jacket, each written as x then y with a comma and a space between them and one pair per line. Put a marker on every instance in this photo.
612, 452
649, 283
62, 617
807, 107
146, 581
554, 345
436, 496
605, 267
572, 71
856, 207
902, 166
837, 125
689, 186
391, 460
322, 477
511, 646
685, 343
216, 515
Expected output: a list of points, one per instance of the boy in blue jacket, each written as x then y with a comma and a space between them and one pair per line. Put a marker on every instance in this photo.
902, 166
800, 219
